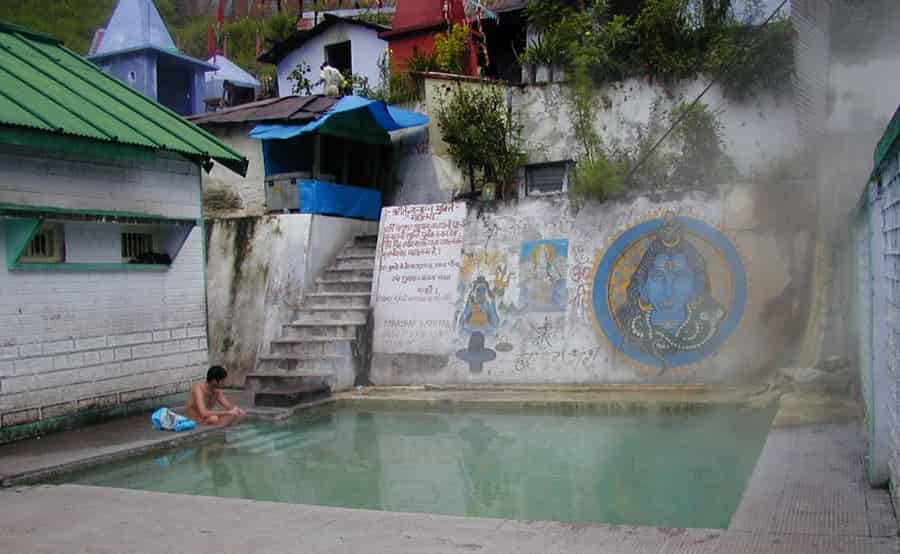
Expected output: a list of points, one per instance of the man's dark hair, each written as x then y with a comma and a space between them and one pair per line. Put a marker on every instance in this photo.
216, 373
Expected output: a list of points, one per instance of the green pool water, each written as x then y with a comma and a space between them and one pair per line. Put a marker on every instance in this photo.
680, 468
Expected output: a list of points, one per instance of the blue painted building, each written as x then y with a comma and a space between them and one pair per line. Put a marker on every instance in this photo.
137, 48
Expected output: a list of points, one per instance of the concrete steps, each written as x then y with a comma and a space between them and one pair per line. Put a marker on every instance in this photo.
344, 285
316, 346
324, 314
358, 300
344, 274
354, 262
290, 364
338, 330
320, 345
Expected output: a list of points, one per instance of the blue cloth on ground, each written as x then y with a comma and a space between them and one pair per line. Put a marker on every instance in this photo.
166, 419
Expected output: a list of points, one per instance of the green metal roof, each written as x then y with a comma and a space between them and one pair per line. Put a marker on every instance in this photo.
888, 139
48, 88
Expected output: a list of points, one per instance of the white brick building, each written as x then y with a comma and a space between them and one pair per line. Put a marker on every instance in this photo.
102, 294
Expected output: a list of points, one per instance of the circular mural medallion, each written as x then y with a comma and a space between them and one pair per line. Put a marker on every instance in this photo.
669, 291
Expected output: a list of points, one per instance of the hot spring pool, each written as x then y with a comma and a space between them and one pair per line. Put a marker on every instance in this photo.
684, 467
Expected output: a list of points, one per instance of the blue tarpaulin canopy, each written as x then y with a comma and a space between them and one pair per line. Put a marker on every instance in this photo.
352, 117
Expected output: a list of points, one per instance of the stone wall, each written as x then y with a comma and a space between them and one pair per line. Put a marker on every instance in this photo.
545, 293
755, 133
76, 340
258, 271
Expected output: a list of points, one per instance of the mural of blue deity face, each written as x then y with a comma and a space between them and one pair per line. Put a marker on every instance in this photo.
654, 296
669, 286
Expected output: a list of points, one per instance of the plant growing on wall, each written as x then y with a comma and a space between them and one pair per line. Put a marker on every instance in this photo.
665, 39
482, 136
298, 76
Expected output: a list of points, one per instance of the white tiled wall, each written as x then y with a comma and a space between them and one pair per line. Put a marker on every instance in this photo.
74, 340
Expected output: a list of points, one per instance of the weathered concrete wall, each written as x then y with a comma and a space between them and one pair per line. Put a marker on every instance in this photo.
755, 133
547, 294
77, 340
258, 271
250, 190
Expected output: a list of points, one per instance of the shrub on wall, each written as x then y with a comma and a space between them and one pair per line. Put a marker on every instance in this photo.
664, 39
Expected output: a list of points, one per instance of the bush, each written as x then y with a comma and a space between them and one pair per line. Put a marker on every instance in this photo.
482, 137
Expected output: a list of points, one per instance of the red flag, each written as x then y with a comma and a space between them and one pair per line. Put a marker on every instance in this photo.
220, 13
211, 43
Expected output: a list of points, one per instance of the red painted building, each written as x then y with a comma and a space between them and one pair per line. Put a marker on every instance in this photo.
417, 23
496, 38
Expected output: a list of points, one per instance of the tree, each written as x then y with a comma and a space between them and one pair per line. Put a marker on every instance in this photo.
482, 137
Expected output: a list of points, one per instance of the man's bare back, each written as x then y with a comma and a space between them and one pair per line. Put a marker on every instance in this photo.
204, 397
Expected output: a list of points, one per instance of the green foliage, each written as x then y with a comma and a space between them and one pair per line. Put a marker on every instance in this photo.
698, 140
666, 44
72, 21
422, 61
692, 156
377, 18
450, 49
748, 60
482, 136
600, 178
664, 39
298, 76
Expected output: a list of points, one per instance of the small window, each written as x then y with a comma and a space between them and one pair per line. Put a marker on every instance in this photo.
46, 246
548, 178
139, 244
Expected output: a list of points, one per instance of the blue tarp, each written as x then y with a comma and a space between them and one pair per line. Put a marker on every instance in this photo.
319, 197
353, 117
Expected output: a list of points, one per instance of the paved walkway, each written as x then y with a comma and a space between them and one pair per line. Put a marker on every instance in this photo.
806, 495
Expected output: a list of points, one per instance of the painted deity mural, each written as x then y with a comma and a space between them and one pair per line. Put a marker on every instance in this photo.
669, 291
543, 266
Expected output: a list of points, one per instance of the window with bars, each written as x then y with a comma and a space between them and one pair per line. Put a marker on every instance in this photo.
137, 243
46, 246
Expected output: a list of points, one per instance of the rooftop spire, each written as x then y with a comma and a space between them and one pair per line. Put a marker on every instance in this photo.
135, 24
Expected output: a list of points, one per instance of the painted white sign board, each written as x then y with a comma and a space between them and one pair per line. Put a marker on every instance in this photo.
416, 275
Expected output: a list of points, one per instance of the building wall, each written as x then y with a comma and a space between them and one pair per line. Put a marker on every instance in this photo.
259, 269
538, 292
75, 341
250, 189
137, 70
756, 133
366, 50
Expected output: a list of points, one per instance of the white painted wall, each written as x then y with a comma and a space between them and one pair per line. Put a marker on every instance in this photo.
250, 189
167, 187
259, 269
755, 133
257, 265
366, 49
572, 348
75, 340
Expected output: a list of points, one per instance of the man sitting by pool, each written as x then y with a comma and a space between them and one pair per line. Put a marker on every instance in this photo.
205, 396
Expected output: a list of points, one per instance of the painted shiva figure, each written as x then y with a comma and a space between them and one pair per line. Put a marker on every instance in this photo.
669, 307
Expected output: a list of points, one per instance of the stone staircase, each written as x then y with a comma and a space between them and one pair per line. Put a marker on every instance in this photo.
326, 346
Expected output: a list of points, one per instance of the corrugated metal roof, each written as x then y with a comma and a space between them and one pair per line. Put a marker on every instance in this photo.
287, 108
44, 86
888, 140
